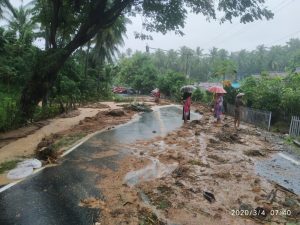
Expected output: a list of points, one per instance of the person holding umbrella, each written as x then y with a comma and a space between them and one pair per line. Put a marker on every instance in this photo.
187, 94
237, 110
218, 101
218, 106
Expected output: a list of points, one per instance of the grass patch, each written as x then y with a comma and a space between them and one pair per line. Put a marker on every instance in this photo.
280, 127
120, 98
67, 141
288, 140
8, 165
138, 107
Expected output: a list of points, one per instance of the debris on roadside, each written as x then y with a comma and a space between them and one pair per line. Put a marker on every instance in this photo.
139, 107
254, 153
214, 176
116, 112
209, 196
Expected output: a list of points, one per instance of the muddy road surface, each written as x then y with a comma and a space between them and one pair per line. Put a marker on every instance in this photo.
57, 195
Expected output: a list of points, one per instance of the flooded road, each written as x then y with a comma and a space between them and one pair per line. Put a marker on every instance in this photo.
284, 169
53, 195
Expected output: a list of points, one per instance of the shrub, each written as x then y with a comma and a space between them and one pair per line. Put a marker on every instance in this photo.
198, 95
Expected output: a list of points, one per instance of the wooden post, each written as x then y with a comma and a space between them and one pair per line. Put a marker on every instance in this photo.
269, 124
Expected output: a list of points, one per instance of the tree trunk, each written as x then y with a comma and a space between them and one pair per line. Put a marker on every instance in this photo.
87, 59
43, 78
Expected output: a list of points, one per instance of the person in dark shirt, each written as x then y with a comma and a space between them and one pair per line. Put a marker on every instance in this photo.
237, 111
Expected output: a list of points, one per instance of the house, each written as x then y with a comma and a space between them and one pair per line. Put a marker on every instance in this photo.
206, 85
272, 74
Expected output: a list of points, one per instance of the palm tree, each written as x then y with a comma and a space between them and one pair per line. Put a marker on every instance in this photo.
106, 45
23, 25
8, 5
107, 42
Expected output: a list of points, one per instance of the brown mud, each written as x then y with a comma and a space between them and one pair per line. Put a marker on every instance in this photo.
214, 181
87, 122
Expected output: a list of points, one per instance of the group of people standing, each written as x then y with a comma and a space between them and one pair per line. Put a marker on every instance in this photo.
218, 107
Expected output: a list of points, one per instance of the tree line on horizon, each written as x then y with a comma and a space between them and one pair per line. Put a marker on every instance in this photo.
81, 41
220, 64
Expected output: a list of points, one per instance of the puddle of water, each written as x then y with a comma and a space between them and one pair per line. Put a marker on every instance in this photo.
282, 168
153, 171
68, 183
163, 120
159, 122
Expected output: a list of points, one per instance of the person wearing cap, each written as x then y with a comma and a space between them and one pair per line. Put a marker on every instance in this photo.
237, 110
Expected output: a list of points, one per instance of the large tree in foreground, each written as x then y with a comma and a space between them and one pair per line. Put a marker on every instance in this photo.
72, 23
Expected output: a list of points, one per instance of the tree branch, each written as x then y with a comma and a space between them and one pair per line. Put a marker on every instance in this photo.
98, 19
11, 8
54, 22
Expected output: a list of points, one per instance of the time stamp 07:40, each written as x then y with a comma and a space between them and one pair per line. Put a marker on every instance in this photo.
261, 212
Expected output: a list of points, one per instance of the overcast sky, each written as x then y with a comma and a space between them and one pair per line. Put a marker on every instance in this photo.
232, 37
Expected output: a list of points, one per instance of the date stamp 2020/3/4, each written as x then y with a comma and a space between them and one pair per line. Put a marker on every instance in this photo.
261, 212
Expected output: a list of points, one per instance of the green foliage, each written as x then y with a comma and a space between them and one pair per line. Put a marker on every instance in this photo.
67, 140
9, 116
170, 84
281, 127
138, 72
119, 98
46, 112
288, 140
230, 95
9, 165
198, 95
276, 94
67, 25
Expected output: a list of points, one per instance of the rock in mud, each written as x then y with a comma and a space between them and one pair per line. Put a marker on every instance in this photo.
209, 196
254, 153
228, 136
217, 158
46, 153
222, 175
116, 112
181, 171
45, 142
138, 107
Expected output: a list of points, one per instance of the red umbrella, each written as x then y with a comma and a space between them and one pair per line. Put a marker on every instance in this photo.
217, 89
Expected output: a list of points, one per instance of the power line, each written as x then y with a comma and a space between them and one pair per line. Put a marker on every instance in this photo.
277, 8
287, 36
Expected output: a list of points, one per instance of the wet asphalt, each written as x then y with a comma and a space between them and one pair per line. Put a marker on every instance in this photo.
52, 196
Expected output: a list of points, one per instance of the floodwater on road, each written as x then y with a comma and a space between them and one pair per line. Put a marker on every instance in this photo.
283, 168
53, 195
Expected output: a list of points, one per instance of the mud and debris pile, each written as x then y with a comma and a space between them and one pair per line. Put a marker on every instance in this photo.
52, 146
138, 107
214, 181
